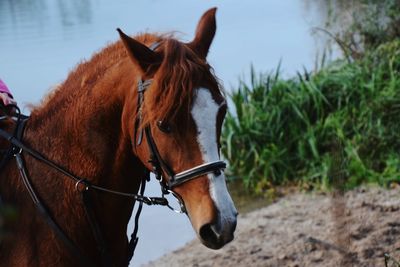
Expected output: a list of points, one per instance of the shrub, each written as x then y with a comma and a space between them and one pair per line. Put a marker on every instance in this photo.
316, 129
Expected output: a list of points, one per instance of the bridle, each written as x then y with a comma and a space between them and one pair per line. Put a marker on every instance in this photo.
162, 171
167, 178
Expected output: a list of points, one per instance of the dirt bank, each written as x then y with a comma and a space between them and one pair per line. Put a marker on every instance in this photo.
308, 230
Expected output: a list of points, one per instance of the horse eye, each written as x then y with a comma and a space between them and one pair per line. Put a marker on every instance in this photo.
164, 127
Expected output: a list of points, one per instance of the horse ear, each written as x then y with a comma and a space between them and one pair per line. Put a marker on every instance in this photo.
138, 52
205, 32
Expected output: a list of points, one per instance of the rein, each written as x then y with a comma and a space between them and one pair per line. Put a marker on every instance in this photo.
21, 147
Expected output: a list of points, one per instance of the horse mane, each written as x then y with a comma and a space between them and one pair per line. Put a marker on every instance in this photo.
172, 90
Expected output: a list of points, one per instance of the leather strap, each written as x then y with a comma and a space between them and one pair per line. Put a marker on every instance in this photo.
142, 86
96, 231
155, 158
185, 176
134, 238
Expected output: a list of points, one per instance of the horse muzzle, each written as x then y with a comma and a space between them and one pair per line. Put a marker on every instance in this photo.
217, 234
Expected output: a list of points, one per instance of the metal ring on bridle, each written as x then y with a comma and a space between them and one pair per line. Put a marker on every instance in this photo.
81, 181
180, 201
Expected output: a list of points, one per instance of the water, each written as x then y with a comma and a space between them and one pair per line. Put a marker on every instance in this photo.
42, 40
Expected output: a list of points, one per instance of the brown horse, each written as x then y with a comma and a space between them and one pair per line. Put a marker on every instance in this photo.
91, 126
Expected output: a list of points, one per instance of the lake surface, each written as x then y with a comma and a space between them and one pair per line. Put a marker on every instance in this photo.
42, 40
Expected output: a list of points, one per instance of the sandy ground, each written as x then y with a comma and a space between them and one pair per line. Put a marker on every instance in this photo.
355, 229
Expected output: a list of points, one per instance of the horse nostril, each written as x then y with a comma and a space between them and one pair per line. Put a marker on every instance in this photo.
208, 234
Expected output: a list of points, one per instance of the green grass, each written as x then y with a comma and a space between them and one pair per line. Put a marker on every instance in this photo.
340, 125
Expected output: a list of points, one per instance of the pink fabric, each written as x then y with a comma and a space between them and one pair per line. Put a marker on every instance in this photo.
4, 88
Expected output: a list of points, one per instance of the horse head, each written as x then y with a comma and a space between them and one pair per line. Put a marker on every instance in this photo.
181, 113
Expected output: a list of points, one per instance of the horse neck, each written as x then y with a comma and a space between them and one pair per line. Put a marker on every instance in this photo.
90, 135
91, 139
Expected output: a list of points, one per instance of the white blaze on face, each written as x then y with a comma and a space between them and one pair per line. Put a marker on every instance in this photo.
204, 113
